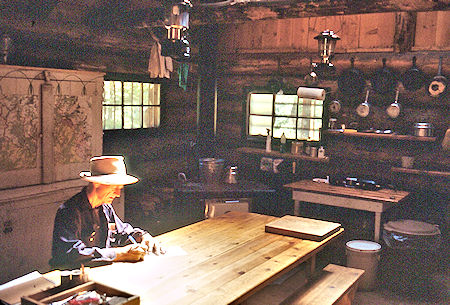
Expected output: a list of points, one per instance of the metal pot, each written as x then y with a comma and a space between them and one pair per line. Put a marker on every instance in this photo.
211, 170
423, 130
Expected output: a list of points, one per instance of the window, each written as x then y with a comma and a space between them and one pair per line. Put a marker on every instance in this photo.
130, 105
298, 118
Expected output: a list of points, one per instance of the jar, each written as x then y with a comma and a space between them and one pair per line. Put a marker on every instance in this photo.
423, 130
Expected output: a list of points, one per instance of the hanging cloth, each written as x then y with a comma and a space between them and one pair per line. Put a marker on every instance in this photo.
159, 66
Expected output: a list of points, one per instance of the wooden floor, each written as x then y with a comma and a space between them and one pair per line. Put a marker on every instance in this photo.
155, 214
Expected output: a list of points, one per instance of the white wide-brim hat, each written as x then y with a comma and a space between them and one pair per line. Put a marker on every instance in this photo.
108, 170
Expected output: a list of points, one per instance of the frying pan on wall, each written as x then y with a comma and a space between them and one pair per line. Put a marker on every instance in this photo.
351, 81
384, 81
438, 84
413, 79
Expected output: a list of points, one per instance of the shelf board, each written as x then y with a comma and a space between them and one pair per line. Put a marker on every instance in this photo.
420, 172
380, 136
276, 154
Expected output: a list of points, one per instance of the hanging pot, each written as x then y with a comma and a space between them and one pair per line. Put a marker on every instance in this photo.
438, 84
363, 109
384, 80
351, 81
393, 110
414, 78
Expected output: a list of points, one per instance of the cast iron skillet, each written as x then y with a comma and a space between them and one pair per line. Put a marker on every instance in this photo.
351, 81
413, 79
384, 81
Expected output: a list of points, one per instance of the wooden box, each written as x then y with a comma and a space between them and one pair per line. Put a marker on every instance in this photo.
62, 292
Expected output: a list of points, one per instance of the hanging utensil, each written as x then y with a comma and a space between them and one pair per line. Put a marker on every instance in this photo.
393, 110
352, 81
335, 106
414, 78
384, 80
438, 84
363, 109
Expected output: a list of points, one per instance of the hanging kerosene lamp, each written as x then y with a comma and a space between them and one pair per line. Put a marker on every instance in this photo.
326, 45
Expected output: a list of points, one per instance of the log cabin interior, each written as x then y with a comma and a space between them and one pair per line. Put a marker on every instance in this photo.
346, 92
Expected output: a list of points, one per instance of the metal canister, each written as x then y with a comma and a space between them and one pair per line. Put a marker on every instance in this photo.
423, 130
297, 147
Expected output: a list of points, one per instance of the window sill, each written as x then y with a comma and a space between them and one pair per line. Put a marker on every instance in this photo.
276, 154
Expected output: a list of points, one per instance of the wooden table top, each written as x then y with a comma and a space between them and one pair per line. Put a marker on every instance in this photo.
220, 260
382, 195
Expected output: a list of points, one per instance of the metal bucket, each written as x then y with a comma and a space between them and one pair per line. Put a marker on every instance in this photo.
211, 170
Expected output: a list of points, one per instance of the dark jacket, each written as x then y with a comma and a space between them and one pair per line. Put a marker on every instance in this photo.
85, 235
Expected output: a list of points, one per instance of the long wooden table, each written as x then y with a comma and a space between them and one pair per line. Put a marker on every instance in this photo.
346, 197
220, 260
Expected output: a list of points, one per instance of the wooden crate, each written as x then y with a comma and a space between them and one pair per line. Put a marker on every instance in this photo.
62, 292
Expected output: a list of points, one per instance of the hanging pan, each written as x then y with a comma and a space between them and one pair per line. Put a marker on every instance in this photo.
363, 109
384, 81
351, 81
438, 84
414, 78
393, 110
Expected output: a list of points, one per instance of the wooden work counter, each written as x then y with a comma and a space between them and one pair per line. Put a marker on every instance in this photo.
220, 260
346, 197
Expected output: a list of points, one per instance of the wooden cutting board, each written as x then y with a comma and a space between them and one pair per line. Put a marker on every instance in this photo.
305, 228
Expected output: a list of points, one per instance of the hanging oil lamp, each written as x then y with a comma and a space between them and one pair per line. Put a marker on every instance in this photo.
326, 44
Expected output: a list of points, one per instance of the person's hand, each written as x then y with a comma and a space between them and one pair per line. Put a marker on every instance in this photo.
152, 245
130, 253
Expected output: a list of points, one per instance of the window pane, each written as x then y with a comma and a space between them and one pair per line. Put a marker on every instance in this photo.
112, 117
145, 93
151, 117
261, 104
137, 94
258, 125
286, 125
117, 85
127, 93
286, 105
132, 117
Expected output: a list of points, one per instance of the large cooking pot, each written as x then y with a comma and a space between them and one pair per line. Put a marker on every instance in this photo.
384, 81
352, 81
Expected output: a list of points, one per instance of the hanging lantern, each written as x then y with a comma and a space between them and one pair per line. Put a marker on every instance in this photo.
326, 44
177, 45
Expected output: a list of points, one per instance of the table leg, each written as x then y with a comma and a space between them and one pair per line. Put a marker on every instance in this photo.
377, 226
312, 265
296, 207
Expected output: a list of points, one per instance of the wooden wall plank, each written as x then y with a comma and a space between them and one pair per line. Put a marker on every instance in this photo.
377, 32
299, 33
425, 29
349, 33
269, 32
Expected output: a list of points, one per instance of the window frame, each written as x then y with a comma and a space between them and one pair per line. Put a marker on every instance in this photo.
133, 79
260, 138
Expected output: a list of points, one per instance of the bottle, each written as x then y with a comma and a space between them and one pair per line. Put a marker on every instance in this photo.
268, 141
283, 143
321, 152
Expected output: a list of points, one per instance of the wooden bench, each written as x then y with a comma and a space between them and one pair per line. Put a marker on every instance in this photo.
333, 285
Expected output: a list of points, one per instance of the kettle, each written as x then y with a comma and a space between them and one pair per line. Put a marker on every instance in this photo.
230, 176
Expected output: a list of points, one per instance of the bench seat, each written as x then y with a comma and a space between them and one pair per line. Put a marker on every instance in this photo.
333, 285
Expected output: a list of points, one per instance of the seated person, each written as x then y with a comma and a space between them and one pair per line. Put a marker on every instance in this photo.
87, 230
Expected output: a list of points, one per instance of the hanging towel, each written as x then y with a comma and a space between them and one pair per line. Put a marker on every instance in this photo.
183, 70
159, 66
